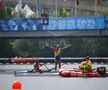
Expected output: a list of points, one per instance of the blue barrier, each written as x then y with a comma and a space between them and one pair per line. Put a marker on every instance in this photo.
106, 22
68, 23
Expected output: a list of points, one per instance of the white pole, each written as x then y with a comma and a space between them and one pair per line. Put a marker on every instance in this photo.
75, 7
56, 7
37, 7
19, 3
95, 8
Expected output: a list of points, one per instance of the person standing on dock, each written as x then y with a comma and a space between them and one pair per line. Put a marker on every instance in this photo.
57, 53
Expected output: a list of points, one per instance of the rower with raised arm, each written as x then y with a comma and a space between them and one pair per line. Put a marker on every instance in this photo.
57, 53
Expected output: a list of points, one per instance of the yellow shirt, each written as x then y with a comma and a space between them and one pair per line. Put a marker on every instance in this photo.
86, 66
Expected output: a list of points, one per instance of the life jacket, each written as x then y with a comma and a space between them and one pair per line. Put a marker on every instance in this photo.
89, 63
86, 66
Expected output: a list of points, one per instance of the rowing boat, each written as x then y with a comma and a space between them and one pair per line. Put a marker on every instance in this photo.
44, 73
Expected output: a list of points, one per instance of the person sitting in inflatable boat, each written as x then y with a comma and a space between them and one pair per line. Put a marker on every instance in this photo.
86, 65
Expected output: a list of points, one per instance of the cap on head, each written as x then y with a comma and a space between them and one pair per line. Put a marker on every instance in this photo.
85, 59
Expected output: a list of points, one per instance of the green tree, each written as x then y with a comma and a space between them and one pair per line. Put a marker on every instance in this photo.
5, 48
80, 47
5, 11
102, 13
63, 12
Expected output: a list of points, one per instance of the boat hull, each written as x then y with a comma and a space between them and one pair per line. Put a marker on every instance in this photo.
78, 73
23, 60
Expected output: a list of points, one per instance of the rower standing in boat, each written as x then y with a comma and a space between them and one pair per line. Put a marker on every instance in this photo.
57, 53
86, 65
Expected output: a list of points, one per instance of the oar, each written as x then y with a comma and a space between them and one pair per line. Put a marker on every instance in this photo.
46, 67
57, 67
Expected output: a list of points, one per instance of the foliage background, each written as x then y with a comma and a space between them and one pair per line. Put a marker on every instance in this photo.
95, 47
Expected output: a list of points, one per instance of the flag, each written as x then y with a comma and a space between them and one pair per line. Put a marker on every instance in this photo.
45, 21
77, 1
37, 5
98, 2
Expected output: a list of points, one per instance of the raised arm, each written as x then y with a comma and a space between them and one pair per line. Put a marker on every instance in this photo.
65, 47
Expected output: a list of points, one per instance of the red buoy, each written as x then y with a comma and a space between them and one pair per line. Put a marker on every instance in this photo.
16, 85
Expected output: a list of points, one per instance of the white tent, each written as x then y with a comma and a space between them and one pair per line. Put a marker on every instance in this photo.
27, 11
18, 8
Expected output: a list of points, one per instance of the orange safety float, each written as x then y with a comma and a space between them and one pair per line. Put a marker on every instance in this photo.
16, 85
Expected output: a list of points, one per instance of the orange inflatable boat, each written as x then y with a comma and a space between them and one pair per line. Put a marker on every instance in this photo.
99, 72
